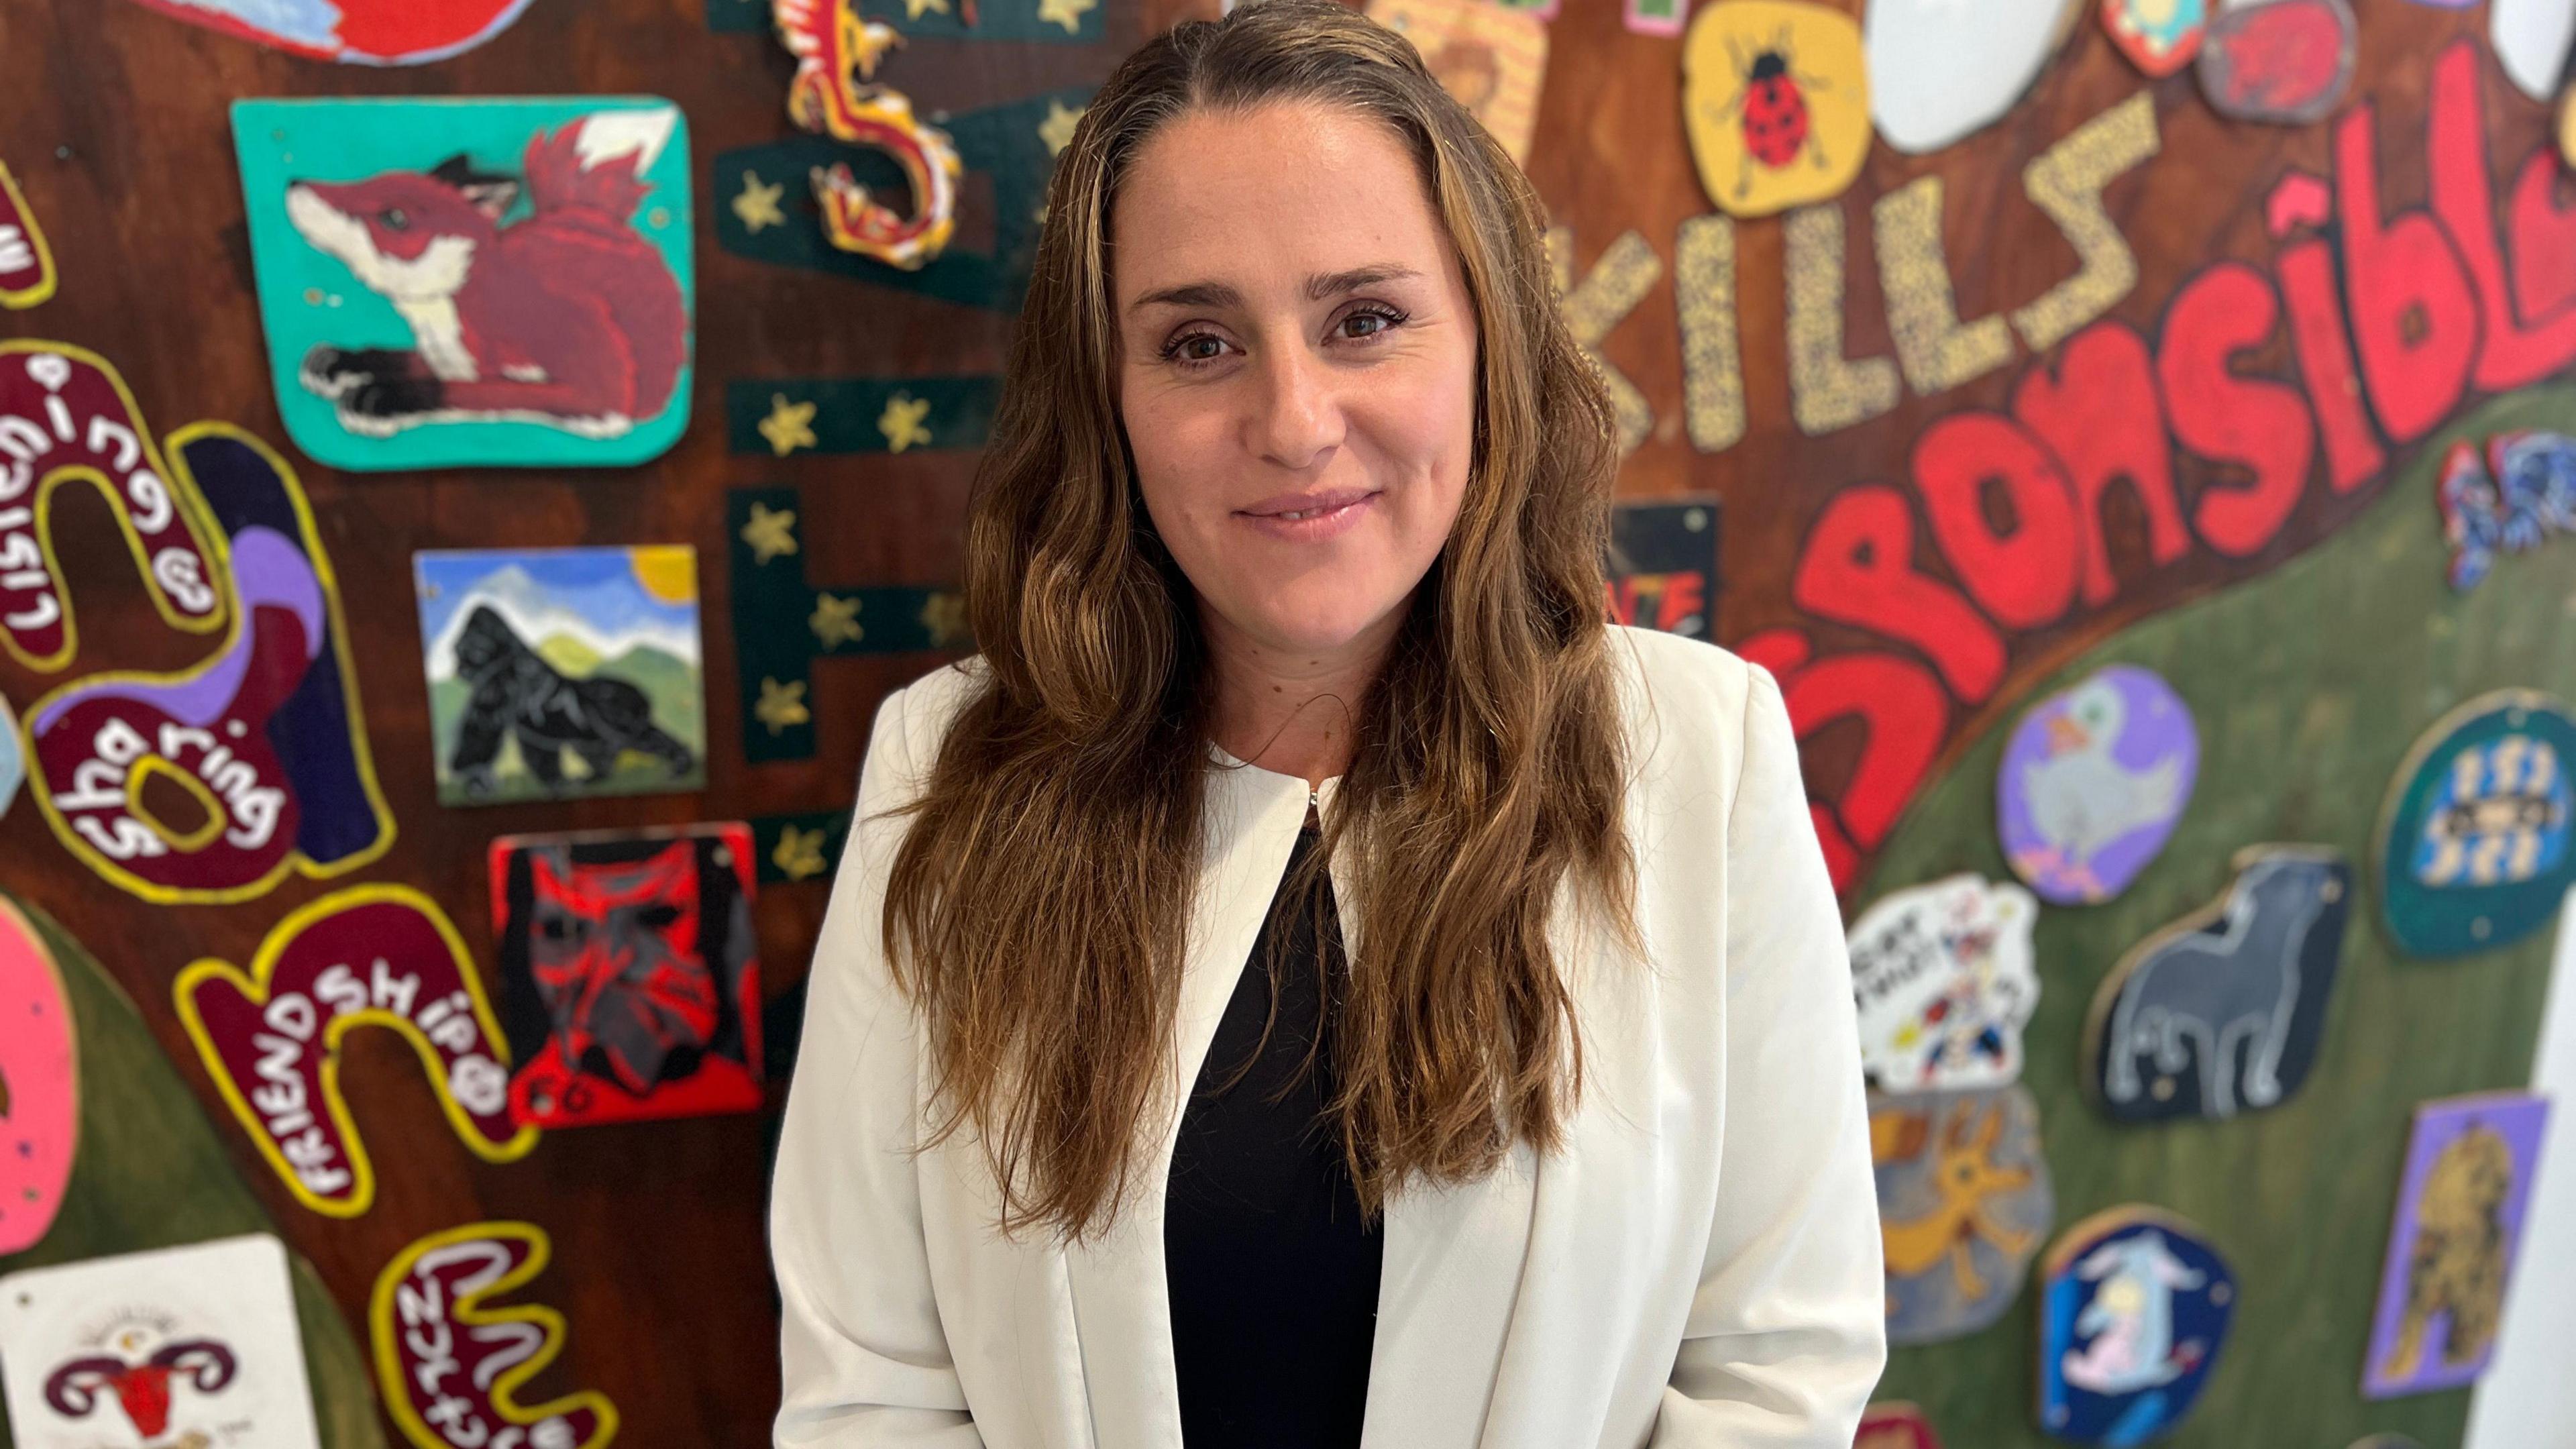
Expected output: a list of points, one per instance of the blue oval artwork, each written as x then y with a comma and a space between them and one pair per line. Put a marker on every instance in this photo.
2474, 846
2092, 783
2134, 1309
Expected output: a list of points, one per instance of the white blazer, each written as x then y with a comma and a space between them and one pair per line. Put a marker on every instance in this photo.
1699, 1266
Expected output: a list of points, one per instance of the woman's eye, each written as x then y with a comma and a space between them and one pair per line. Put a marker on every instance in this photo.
1182, 349
1386, 321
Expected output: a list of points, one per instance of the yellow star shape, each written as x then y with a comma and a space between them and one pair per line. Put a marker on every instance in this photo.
799, 855
914, 9
758, 203
789, 426
781, 705
770, 532
1057, 129
835, 621
901, 422
944, 617
1067, 13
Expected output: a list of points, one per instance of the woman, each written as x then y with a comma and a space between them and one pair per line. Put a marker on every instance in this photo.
1286, 567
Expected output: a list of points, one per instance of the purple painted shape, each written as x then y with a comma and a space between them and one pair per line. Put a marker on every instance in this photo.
2467, 1186
2093, 782
268, 571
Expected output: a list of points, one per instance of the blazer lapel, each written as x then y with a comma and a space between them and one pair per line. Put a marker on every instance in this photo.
1121, 1298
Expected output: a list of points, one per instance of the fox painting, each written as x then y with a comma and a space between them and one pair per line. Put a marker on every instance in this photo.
567, 317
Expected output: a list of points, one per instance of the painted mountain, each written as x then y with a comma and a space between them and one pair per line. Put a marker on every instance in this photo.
556, 673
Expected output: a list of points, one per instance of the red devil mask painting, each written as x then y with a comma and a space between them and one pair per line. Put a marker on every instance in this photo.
629, 985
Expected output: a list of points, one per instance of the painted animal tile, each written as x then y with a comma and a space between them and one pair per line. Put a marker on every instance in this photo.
486, 281
2477, 841
1490, 58
1939, 71
2158, 36
2133, 1313
630, 974
1662, 570
1776, 102
2223, 1011
561, 672
2455, 1242
2516, 494
1945, 981
1964, 1203
1895, 1425
2092, 783
2284, 61
39, 1084
181, 1348
834, 93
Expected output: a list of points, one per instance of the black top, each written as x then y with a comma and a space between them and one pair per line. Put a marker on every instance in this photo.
1273, 1276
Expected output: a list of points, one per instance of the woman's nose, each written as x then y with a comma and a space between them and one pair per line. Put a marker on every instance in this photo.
1297, 411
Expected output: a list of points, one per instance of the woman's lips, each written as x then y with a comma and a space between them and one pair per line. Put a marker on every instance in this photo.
1325, 517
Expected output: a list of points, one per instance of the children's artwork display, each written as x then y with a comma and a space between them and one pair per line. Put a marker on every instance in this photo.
2477, 841
630, 974
2222, 1012
1964, 1202
1491, 58
497, 281
1776, 102
194, 1346
1941, 71
2134, 1309
356, 32
2455, 1243
1662, 572
2092, 783
1944, 978
450, 1361
39, 1084
2284, 61
562, 672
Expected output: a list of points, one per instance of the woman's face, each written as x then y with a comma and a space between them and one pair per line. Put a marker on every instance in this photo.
1297, 368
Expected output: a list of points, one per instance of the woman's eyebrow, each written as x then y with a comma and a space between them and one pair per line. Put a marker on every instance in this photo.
1318, 287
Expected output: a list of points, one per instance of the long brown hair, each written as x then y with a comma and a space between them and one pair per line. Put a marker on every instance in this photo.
1038, 906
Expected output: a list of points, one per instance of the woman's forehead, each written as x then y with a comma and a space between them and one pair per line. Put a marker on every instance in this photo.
1271, 201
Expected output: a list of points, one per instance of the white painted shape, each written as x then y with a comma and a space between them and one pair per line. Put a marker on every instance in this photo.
606, 135
2527, 1399
2531, 38
1941, 69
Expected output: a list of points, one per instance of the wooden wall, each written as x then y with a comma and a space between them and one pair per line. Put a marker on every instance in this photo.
114, 123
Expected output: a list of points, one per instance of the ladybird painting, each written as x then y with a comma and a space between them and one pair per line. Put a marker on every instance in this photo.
1776, 102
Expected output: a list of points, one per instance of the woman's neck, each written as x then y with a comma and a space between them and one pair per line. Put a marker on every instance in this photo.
1292, 710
